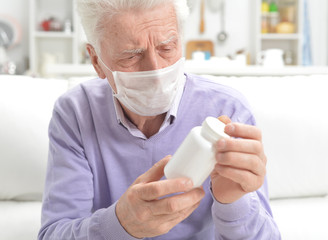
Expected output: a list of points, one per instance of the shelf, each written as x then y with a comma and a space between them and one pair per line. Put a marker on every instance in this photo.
289, 42
277, 36
62, 47
44, 34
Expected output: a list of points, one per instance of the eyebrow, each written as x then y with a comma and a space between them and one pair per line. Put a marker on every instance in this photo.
134, 51
172, 38
140, 50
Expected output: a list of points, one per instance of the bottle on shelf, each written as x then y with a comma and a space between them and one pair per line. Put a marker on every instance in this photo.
264, 17
287, 18
273, 16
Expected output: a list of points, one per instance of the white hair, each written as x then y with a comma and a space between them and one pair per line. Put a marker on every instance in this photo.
93, 12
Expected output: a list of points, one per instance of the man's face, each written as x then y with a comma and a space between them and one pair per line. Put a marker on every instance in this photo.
141, 41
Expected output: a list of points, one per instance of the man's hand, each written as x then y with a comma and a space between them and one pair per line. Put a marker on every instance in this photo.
241, 162
144, 211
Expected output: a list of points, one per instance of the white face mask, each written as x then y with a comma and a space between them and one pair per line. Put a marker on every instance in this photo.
149, 93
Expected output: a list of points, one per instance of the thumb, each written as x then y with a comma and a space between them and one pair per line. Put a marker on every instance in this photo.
225, 119
155, 173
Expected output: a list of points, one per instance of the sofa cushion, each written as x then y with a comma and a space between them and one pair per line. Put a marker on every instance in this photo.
19, 220
301, 218
26, 106
292, 113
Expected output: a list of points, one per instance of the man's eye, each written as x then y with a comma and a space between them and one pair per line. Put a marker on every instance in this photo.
132, 57
167, 49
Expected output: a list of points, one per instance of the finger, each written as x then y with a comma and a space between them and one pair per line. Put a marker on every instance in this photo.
177, 203
243, 131
239, 145
164, 223
154, 190
243, 161
169, 221
155, 173
225, 119
248, 181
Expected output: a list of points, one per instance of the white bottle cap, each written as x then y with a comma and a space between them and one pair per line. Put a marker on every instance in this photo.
213, 129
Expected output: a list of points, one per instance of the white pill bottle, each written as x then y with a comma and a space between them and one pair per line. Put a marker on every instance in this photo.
195, 158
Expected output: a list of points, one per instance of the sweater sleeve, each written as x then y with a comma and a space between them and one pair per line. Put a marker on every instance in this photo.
248, 218
67, 211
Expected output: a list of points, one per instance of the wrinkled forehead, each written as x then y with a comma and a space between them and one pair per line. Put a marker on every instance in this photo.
135, 27
130, 19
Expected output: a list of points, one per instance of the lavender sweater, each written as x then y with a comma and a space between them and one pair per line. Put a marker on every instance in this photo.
93, 159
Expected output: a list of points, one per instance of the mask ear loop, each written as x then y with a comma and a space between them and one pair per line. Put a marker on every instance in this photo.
113, 72
104, 64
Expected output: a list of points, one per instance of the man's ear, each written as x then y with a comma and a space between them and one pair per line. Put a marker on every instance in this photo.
95, 61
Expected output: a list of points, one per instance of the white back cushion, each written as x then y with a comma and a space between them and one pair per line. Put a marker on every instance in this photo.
25, 110
292, 113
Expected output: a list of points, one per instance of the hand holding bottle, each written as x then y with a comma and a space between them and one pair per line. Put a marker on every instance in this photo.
241, 162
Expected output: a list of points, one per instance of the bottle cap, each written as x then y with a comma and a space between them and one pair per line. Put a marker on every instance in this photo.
213, 129
273, 7
265, 7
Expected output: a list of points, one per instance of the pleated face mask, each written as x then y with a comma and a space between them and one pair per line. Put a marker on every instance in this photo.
149, 93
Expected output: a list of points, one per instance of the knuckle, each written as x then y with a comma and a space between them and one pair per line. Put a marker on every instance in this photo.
255, 164
155, 189
247, 184
257, 147
259, 167
246, 188
171, 206
252, 184
131, 195
199, 194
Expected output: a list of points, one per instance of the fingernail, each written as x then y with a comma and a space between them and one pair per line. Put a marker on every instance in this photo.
230, 128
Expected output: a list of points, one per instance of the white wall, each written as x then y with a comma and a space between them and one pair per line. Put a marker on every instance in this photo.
19, 10
237, 25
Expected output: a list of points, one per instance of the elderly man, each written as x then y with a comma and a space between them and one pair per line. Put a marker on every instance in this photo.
110, 139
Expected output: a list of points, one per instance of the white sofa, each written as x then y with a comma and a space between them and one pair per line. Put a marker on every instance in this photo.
291, 111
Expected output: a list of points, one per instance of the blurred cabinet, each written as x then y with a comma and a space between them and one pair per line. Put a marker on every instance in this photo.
55, 34
279, 25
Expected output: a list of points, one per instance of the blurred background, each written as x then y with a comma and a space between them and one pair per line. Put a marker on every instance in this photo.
44, 37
